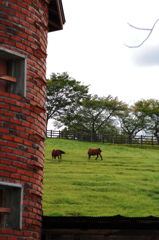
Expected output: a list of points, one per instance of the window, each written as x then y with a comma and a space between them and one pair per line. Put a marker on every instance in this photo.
10, 205
12, 72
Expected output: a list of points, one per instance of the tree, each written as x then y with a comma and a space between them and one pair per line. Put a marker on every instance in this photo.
149, 109
132, 122
63, 94
94, 115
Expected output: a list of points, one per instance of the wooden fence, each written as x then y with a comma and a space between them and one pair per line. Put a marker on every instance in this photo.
118, 139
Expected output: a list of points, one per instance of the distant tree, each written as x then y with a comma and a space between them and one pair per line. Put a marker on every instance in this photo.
94, 115
132, 122
149, 109
63, 94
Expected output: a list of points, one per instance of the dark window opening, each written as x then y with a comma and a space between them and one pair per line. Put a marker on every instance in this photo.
10, 205
12, 72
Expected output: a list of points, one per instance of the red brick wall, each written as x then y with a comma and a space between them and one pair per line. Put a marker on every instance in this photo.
23, 29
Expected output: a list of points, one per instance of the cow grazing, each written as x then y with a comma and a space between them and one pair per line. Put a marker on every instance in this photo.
94, 152
57, 153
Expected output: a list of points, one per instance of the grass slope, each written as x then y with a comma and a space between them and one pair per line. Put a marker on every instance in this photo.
126, 182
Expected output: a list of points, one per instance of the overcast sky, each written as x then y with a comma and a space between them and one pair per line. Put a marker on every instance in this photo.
91, 47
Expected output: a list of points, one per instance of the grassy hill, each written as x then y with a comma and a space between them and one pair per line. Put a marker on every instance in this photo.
126, 182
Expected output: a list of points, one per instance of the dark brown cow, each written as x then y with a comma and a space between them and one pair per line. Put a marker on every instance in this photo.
94, 152
57, 153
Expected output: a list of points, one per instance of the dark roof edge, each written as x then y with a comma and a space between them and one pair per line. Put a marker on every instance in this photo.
56, 16
115, 222
62, 12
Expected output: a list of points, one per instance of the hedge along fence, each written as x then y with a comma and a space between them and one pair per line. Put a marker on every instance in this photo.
115, 139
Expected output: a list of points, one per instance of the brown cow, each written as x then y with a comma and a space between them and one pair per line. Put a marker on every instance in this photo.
95, 151
57, 153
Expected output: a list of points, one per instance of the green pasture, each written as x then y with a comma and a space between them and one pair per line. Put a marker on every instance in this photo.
125, 182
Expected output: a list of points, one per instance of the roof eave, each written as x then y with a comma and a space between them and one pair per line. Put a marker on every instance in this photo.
56, 16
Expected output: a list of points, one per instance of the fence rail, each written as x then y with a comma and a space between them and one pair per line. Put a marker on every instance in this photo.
119, 139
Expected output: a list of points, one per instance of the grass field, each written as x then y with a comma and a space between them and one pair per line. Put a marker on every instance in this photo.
125, 183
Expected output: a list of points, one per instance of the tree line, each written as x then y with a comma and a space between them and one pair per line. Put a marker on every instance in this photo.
71, 106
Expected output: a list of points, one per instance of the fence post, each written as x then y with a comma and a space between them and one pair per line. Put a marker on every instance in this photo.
141, 139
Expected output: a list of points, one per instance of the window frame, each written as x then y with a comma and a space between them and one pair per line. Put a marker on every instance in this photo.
8, 209
17, 69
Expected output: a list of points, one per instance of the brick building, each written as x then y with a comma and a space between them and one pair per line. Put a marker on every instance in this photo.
24, 25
